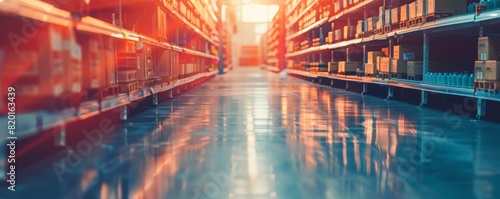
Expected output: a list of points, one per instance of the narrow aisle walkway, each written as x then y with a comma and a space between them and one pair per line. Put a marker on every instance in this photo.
253, 134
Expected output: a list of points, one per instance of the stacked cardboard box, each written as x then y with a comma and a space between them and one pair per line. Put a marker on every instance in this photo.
371, 23
348, 33
412, 10
384, 64
333, 67
445, 6
395, 15
487, 67
408, 53
404, 15
338, 35
349, 67
492, 70
359, 28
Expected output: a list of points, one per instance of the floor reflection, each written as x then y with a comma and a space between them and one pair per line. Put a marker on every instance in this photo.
253, 134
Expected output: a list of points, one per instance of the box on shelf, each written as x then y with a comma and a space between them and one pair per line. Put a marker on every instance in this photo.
333, 67
446, 6
412, 10
338, 35
388, 17
348, 32
385, 51
372, 56
349, 66
379, 24
395, 15
398, 66
492, 70
479, 68
384, 64
403, 13
408, 53
359, 26
488, 48
330, 37
371, 23
371, 69
415, 68
421, 7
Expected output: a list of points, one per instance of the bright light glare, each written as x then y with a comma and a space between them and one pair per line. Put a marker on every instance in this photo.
258, 13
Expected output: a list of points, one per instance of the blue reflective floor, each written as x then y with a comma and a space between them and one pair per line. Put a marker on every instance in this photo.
255, 134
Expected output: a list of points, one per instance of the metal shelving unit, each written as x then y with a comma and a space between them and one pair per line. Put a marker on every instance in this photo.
422, 34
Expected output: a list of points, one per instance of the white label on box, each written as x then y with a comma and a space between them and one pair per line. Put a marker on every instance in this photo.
483, 57
479, 75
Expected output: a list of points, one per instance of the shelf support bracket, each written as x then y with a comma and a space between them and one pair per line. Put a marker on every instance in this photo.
365, 88
124, 113
155, 99
423, 98
481, 108
60, 137
390, 92
365, 55
426, 57
347, 54
346, 85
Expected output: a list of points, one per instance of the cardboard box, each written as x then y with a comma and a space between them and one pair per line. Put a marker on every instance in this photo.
379, 63
408, 53
479, 68
395, 15
385, 64
338, 35
412, 10
398, 66
492, 70
372, 56
385, 51
488, 48
415, 68
348, 32
380, 24
446, 6
371, 69
330, 37
421, 7
388, 17
359, 27
333, 67
349, 66
372, 23
403, 12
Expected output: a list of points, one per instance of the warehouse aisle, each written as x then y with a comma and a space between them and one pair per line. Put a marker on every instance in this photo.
256, 134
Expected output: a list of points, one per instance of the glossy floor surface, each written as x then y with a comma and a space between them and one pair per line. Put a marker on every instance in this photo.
252, 134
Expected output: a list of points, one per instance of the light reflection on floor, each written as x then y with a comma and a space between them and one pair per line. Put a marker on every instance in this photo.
254, 134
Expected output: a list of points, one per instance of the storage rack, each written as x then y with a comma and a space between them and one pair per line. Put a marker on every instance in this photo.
274, 38
194, 20
312, 43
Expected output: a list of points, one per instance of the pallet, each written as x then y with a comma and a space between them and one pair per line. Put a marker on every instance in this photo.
434, 16
387, 28
398, 75
379, 31
128, 87
347, 73
403, 24
487, 85
370, 75
383, 75
415, 77
416, 21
